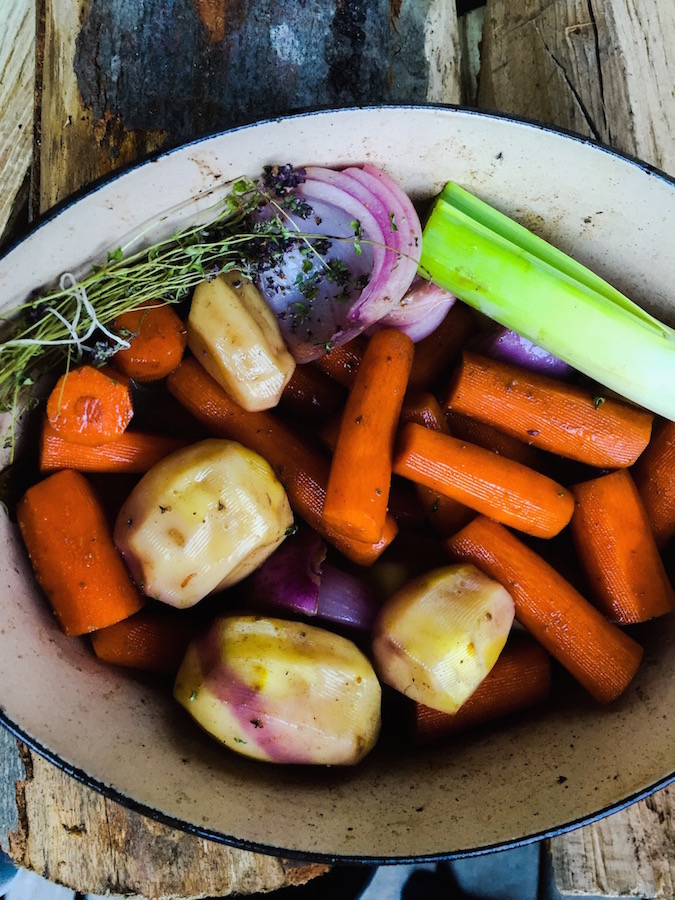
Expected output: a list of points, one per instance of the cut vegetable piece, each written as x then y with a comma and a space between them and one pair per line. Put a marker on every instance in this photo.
88, 407
511, 347
342, 363
439, 635
436, 354
445, 515
654, 475
520, 679
420, 312
466, 428
598, 654
290, 578
235, 336
151, 640
157, 339
480, 479
524, 283
201, 520
284, 692
360, 473
617, 551
131, 452
311, 395
73, 556
301, 468
552, 415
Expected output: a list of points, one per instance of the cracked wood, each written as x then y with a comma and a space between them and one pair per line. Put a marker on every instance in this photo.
600, 68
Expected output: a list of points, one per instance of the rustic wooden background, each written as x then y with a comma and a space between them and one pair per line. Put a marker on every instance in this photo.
89, 85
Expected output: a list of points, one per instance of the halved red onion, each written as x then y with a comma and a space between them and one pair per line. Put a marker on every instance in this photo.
403, 216
289, 579
345, 599
420, 311
386, 259
509, 346
296, 579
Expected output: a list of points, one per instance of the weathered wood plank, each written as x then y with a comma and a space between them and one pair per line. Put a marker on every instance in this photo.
17, 78
629, 854
76, 837
601, 68
119, 80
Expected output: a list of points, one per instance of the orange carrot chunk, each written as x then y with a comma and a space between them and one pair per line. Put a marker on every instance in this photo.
617, 551
469, 429
438, 352
132, 452
444, 514
519, 679
70, 546
152, 640
484, 481
88, 407
598, 654
360, 473
342, 363
565, 419
654, 476
158, 340
311, 394
301, 468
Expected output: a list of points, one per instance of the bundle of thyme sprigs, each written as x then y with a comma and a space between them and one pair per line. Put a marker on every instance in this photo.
71, 323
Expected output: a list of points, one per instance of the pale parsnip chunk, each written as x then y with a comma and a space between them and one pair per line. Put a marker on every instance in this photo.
438, 636
200, 520
281, 691
235, 336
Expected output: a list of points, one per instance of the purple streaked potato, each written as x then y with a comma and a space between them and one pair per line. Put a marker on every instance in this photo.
281, 691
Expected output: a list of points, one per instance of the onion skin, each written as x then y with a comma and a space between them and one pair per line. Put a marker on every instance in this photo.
281, 691
439, 635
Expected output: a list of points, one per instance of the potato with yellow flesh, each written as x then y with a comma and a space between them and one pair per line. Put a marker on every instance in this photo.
200, 520
281, 691
235, 336
438, 636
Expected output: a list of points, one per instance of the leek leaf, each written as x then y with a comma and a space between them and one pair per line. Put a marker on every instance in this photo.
518, 279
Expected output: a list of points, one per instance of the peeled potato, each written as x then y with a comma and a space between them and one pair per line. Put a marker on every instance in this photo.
236, 337
201, 520
439, 635
281, 691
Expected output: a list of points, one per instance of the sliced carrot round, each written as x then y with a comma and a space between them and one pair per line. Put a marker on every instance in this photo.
88, 407
158, 339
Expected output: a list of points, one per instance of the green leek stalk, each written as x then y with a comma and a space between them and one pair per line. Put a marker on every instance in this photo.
521, 281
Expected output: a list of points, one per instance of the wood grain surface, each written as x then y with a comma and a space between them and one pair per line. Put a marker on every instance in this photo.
118, 80
602, 68
17, 82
